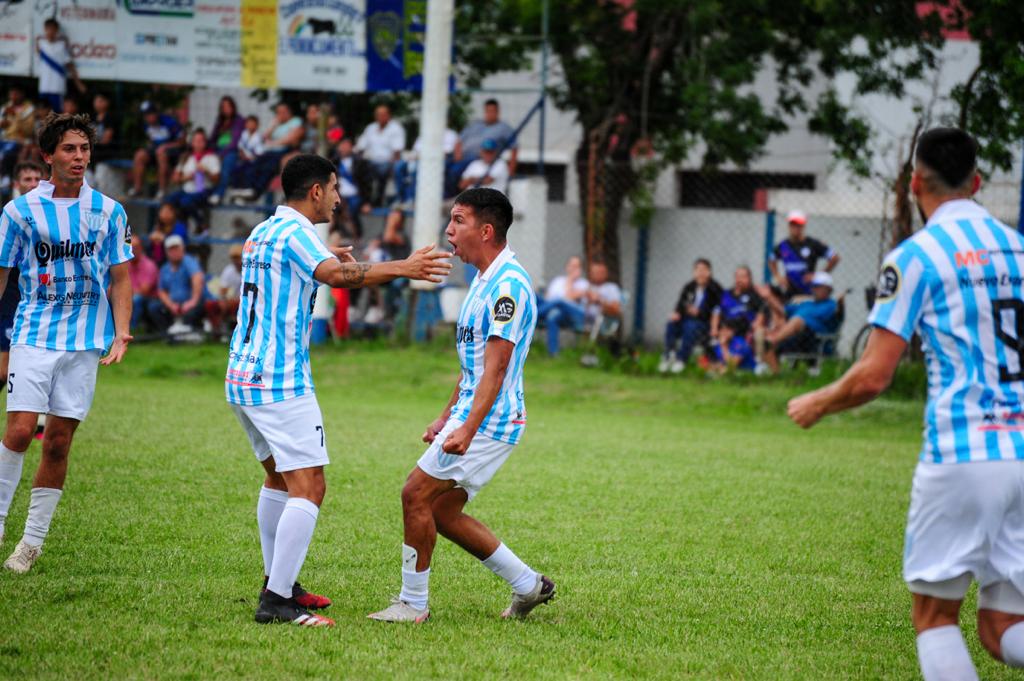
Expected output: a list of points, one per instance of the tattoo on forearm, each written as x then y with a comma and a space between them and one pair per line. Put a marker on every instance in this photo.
354, 273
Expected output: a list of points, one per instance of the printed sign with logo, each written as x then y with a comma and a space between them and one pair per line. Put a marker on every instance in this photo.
396, 33
16, 44
322, 44
91, 29
157, 41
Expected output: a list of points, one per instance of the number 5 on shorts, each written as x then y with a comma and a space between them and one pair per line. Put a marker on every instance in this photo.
321, 429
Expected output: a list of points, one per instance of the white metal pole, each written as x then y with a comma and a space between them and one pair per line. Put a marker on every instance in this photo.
437, 61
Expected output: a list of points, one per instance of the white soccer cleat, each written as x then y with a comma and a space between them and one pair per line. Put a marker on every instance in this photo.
400, 611
543, 591
663, 364
677, 366
23, 558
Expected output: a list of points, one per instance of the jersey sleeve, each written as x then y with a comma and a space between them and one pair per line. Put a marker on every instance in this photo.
305, 252
821, 249
119, 237
10, 240
510, 311
902, 292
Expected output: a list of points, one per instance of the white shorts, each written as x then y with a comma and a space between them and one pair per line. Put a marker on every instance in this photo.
472, 470
967, 521
292, 431
52, 381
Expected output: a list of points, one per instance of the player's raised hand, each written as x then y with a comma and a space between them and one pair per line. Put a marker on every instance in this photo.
344, 254
426, 264
433, 429
117, 350
457, 442
805, 410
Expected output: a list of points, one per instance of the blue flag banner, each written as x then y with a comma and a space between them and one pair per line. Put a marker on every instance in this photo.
396, 31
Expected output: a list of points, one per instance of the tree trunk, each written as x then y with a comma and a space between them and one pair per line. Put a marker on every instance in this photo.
605, 180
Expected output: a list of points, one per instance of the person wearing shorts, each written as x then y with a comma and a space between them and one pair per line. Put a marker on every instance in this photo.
269, 385
69, 243
482, 422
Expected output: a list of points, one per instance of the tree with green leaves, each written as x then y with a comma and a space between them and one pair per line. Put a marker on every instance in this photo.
659, 80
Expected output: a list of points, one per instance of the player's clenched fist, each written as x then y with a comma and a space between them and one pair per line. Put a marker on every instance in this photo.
457, 441
426, 265
433, 429
804, 410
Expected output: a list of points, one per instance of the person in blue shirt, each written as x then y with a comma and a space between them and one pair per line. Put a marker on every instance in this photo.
165, 141
179, 293
804, 321
733, 350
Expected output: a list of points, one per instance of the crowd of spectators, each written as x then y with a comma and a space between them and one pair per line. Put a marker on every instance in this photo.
747, 327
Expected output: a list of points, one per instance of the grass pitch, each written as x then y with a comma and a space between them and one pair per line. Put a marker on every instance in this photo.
692, 531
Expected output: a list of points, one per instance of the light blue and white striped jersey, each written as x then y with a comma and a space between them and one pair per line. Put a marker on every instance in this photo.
64, 249
959, 284
269, 356
500, 304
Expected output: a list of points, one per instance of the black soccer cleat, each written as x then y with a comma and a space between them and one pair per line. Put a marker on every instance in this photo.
278, 609
308, 600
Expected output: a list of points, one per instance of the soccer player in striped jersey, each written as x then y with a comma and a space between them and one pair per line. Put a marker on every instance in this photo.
958, 284
482, 422
70, 244
268, 383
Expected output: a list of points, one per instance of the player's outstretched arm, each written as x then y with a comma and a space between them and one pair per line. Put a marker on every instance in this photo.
863, 382
497, 355
121, 307
424, 265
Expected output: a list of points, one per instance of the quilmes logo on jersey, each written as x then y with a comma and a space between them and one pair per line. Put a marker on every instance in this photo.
63, 250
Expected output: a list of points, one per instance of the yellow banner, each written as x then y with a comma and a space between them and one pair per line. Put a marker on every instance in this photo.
259, 43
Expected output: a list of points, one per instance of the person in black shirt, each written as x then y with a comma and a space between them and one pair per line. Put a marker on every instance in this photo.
795, 260
690, 324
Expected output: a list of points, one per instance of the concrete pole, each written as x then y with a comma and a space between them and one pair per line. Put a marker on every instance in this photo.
437, 61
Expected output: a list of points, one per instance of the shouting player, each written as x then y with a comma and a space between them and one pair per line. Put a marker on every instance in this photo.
69, 243
483, 420
959, 284
268, 379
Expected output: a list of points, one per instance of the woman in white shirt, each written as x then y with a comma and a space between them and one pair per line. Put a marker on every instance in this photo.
198, 173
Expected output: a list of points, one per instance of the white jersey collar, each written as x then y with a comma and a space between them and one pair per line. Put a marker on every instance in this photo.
290, 213
957, 209
46, 189
503, 257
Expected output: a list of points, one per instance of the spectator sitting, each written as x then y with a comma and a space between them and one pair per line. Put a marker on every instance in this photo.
382, 144
742, 302
490, 127
799, 255
198, 174
180, 289
17, 130
487, 171
144, 275
230, 285
284, 135
226, 134
732, 349
804, 321
692, 322
168, 223
165, 137
563, 303
405, 170
355, 178
604, 298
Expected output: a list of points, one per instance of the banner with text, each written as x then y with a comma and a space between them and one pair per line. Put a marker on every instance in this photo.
322, 44
157, 42
91, 30
16, 43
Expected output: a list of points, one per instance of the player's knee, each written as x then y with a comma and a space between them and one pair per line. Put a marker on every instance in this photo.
413, 496
18, 438
56, 446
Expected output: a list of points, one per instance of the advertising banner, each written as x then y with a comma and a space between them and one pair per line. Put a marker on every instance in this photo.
322, 44
259, 43
16, 46
218, 42
156, 41
396, 31
91, 29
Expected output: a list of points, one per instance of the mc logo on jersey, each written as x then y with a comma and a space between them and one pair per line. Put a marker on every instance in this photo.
972, 258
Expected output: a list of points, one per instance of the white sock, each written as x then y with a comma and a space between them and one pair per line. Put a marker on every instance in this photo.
10, 474
943, 655
1012, 645
41, 506
415, 585
509, 567
268, 514
294, 532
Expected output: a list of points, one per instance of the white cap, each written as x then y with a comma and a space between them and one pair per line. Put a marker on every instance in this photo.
173, 240
797, 216
822, 279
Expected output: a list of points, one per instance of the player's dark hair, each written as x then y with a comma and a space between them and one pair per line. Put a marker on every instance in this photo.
304, 171
951, 153
489, 206
28, 165
702, 261
492, 102
56, 125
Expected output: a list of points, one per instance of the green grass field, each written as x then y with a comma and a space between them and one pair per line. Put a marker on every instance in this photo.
692, 531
